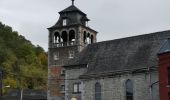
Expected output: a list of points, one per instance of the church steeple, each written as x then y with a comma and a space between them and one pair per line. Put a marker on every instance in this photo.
71, 20
69, 36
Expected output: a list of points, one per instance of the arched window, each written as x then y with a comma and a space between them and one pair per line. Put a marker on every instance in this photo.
129, 90
88, 38
97, 91
91, 38
64, 36
56, 37
84, 37
71, 35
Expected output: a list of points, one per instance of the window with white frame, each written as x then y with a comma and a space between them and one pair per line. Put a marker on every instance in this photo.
64, 22
56, 56
77, 88
71, 54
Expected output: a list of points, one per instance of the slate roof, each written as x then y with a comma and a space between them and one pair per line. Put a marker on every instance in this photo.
165, 47
129, 53
74, 17
72, 8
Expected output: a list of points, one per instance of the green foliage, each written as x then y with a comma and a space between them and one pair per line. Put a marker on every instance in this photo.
24, 65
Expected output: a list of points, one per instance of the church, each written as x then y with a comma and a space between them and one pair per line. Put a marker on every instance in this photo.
80, 68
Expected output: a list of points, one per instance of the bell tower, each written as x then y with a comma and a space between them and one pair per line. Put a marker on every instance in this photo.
67, 38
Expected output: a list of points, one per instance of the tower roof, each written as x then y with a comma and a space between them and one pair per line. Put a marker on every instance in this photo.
73, 15
165, 47
72, 8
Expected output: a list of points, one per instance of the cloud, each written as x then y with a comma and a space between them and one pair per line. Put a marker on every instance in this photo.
111, 18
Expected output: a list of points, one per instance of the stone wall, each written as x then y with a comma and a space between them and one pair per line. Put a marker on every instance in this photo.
114, 88
72, 76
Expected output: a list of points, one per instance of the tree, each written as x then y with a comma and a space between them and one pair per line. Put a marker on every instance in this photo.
24, 64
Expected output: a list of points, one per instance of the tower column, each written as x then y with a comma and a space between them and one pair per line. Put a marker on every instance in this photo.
68, 42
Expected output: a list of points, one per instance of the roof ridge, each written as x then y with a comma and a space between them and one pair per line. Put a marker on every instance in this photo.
130, 37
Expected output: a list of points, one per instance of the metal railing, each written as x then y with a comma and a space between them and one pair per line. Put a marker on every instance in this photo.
63, 44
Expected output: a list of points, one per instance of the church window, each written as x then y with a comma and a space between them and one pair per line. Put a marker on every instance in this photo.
168, 75
97, 91
77, 87
56, 56
129, 90
64, 22
71, 54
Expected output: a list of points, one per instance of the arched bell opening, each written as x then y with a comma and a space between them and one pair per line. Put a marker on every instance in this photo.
92, 41
64, 38
72, 37
88, 38
84, 37
57, 38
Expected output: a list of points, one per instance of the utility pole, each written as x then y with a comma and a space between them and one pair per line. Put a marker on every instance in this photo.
21, 94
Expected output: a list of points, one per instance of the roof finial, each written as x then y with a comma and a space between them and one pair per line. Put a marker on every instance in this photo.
72, 2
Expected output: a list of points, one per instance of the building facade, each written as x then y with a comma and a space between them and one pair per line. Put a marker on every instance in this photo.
82, 69
67, 38
122, 69
164, 71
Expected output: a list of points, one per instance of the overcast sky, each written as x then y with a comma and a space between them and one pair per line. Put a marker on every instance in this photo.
111, 18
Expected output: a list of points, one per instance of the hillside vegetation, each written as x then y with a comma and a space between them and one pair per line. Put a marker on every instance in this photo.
24, 64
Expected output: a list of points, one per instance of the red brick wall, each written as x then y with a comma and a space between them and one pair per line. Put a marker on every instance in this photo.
55, 81
164, 63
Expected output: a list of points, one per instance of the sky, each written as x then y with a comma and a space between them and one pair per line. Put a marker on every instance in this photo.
111, 18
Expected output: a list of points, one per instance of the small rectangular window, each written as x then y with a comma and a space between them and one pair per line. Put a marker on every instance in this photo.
77, 88
56, 56
168, 75
64, 22
86, 23
62, 88
71, 54
63, 72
